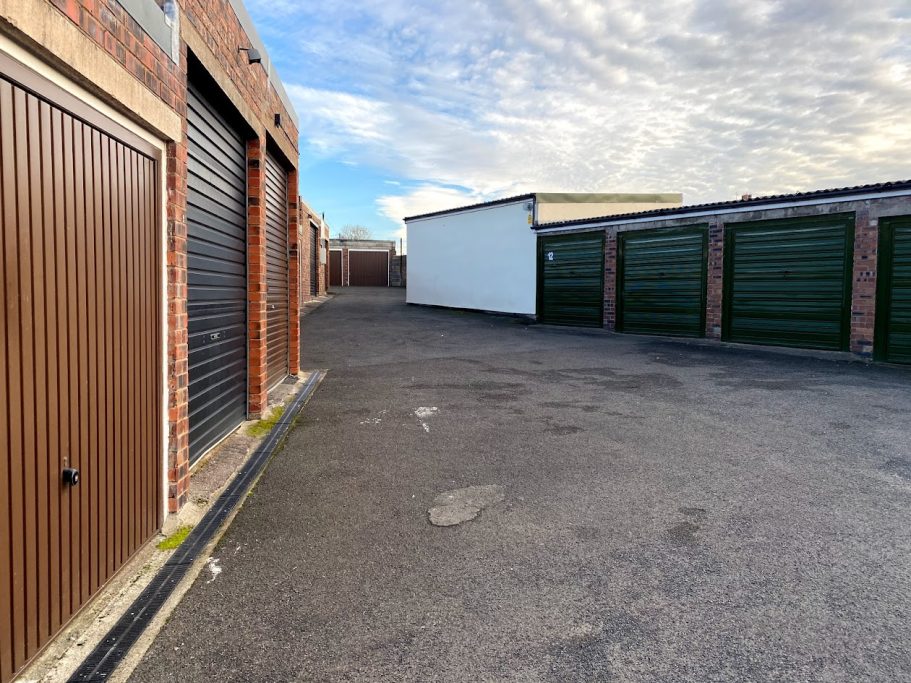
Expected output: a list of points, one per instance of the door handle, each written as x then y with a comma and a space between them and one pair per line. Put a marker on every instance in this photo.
70, 476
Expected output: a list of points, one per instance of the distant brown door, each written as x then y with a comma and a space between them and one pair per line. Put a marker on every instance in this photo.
335, 268
80, 379
277, 302
368, 268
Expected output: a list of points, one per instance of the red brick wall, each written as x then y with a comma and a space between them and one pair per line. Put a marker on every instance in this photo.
217, 24
714, 299
177, 342
109, 25
257, 368
294, 276
863, 301
610, 280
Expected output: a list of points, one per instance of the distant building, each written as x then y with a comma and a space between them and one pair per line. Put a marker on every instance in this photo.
365, 263
483, 256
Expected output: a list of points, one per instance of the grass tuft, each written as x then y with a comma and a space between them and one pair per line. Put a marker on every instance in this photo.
173, 541
263, 427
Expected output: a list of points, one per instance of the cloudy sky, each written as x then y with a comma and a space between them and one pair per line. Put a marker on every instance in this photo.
409, 106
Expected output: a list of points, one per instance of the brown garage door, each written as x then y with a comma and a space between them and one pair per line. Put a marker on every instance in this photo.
335, 268
80, 378
368, 268
276, 271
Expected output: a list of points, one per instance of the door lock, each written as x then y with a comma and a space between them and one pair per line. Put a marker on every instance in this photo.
70, 476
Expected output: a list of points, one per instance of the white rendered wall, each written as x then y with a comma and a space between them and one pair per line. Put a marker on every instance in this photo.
484, 259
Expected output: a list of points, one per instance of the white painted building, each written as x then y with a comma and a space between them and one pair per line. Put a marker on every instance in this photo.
484, 256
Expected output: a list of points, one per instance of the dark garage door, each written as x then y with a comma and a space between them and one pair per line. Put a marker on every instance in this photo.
335, 268
314, 261
277, 301
787, 282
80, 379
893, 313
571, 279
216, 275
368, 268
662, 277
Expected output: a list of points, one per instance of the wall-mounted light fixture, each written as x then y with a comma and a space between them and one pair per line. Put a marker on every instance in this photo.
253, 56
278, 120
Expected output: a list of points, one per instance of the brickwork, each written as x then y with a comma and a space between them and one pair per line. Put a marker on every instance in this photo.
863, 301
610, 280
217, 24
109, 25
257, 364
295, 276
177, 341
714, 295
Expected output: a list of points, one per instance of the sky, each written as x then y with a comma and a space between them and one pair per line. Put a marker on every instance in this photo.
409, 106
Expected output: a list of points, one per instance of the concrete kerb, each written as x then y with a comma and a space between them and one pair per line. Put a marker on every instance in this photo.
63, 656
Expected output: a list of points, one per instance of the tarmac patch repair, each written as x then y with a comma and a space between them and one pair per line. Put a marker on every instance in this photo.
463, 505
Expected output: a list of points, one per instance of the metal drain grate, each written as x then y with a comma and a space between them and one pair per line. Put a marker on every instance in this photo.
107, 655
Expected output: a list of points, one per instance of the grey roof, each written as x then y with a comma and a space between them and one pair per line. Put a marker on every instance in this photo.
737, 203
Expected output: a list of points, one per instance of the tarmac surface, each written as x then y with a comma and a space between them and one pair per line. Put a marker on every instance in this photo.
635, 509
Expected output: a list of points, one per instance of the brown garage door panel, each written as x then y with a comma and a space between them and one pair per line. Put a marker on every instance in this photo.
368, 268
276, 271
80, 377
335, 268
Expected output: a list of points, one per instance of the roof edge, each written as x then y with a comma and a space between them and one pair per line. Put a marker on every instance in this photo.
610, 197
470, 207
720, 207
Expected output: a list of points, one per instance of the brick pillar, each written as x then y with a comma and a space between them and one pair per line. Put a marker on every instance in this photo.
257, 387
863, 297
610, 280
177, 349
714, 299
295, 276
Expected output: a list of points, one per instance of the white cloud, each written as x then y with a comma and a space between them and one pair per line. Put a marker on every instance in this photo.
713, 98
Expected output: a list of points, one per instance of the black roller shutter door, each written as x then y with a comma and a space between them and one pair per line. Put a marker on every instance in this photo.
571, 279
662, 278
216, 275
893, 312
787, 282
314, 261
276, 271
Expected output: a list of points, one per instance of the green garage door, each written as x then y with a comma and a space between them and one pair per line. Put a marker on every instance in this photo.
661, 281
893, 312
571, 279
787, 282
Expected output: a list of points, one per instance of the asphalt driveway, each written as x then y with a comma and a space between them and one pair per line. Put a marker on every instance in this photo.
668, 512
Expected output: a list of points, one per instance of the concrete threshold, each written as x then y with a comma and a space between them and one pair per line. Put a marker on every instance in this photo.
210, 477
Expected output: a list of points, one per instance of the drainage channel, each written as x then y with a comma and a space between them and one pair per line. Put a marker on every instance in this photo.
104, 659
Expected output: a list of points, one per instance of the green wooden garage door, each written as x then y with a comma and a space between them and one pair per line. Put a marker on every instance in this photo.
787, 282
661, 281
893, 313
571, 279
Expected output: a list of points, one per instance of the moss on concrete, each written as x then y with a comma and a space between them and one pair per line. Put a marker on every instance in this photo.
262, 427
173, 541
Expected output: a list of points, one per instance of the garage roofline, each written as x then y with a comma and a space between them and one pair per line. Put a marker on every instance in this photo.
472, 207
899, 188
566, 198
